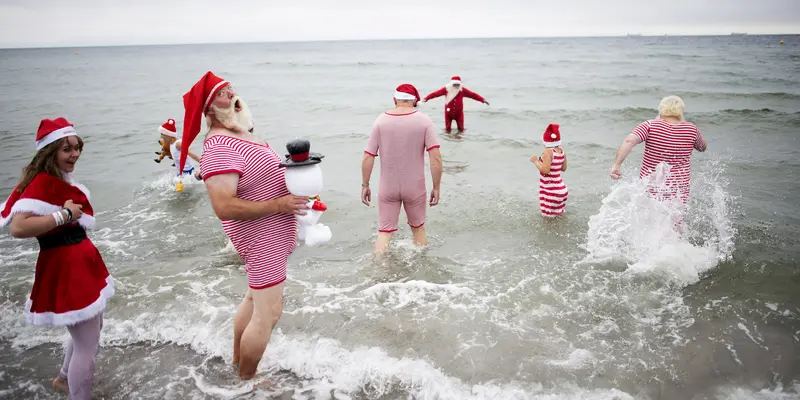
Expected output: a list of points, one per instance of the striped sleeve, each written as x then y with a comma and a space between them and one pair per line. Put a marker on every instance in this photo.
700, 142
642, 131
220, 158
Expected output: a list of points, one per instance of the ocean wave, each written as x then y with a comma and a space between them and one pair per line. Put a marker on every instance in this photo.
656, 91
319, 64
734, 116
644, 113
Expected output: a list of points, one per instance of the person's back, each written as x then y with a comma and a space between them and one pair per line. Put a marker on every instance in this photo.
668, 142
401, 137
403, 140
668, 139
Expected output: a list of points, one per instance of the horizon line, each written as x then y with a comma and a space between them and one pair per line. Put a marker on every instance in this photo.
628, 35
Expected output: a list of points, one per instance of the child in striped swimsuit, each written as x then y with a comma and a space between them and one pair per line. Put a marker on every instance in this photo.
553, 191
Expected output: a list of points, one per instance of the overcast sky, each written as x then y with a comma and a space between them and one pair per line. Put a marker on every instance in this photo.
30, 23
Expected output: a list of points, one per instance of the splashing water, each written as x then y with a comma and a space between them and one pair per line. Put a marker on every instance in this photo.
661, 237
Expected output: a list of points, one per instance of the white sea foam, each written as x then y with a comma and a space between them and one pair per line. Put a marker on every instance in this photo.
642, 231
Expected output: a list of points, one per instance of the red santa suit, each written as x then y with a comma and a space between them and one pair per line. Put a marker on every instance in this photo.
71, 282
454, 102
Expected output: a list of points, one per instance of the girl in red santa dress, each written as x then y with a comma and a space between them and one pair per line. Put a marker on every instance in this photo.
72, 284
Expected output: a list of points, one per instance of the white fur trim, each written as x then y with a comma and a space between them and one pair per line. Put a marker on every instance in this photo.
552, 144
211, 94
404, 96
39, 207
55, 135
453, 82
166, 132
83, 189
451, 93
75, 316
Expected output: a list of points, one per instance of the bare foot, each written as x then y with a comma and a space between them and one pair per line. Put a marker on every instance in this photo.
60, 384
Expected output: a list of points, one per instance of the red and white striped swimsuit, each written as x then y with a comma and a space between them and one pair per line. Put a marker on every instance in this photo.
265, 243
672, 144
553, 191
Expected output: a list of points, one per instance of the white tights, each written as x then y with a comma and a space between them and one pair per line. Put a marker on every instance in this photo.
78, 366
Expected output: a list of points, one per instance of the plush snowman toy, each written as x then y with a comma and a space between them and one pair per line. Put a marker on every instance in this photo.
304, 178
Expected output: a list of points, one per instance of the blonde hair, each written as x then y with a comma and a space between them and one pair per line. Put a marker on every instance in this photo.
671, 106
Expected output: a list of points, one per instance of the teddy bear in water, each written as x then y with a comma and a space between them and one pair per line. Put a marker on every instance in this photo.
304, 178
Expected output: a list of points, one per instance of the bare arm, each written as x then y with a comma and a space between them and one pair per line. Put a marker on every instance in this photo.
564, 164
544, 165
367, 163
179, 145
625, 148
222, 193
436, 167
27, 225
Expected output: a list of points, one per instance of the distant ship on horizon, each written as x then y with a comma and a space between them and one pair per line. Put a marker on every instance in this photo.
738, 34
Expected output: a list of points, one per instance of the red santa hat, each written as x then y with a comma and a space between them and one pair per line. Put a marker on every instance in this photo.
51, 130
456, 80
406, 92
552, 137
168, 128
196, 102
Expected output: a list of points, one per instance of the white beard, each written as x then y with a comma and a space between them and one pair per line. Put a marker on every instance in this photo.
241, 121
452, 92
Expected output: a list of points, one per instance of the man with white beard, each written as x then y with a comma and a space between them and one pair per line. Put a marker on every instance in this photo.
245, 184
454, 102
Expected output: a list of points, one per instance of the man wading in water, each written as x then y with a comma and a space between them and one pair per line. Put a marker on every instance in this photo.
248, 194
402, 136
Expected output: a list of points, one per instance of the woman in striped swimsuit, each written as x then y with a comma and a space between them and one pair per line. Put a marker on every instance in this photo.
553, 191
668, 139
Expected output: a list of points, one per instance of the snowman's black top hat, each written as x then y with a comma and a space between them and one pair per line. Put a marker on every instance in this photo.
300, 154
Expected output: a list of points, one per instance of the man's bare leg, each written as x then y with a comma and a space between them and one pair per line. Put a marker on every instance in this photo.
243, 315
420, 239
267, 310
382, 243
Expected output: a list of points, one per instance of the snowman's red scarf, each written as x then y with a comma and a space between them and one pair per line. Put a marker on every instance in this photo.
45, 195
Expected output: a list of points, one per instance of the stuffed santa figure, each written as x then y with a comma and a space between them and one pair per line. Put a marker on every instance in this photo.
454, 94
71, 282
168, 136
304, 178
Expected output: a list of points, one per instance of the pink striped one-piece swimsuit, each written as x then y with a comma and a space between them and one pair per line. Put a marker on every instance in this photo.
553, 191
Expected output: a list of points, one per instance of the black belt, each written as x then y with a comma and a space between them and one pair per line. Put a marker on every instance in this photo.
67, 236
